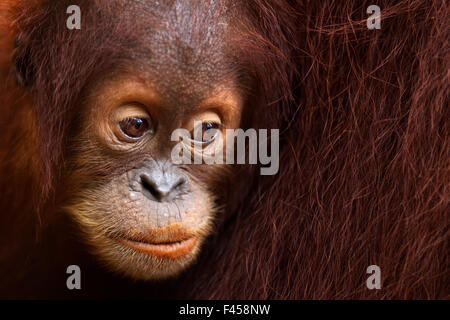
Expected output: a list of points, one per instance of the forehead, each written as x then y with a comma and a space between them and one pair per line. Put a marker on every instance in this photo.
181, 46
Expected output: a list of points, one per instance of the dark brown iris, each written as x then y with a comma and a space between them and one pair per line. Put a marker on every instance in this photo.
134, 127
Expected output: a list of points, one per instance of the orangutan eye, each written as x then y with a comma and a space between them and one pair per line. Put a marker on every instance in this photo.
134, 127
209, 132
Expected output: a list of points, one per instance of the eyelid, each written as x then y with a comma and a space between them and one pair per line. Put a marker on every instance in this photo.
205, 116
131, 110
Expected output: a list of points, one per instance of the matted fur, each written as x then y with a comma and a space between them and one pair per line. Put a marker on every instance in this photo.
365, 153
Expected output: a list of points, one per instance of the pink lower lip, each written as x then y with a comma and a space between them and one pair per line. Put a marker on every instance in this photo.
169, 250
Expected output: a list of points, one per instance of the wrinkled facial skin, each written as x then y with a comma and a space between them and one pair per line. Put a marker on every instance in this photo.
142, 215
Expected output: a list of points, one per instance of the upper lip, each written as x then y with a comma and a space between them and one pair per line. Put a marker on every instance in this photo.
162, 247
162, 236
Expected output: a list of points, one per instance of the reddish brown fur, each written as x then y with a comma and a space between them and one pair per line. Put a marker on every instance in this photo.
364, 168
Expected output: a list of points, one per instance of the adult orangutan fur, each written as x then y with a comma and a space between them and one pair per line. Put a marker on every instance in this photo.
364, 156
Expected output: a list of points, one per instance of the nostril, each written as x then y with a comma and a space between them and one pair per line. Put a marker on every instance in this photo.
160, 189
179, 184
149, 185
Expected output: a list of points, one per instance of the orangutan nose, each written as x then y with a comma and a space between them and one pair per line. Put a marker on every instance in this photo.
159, 186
